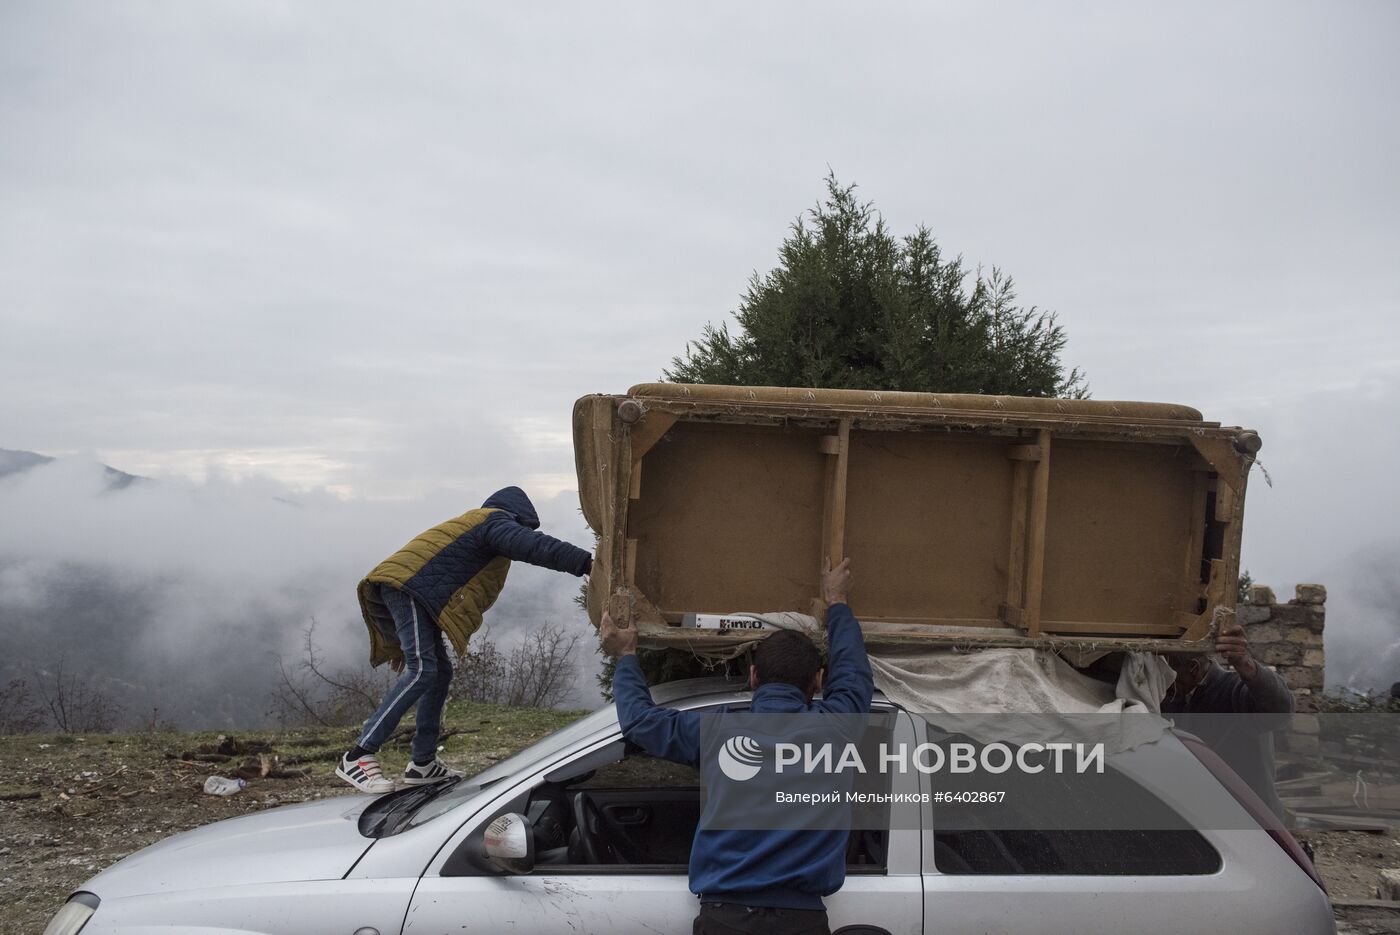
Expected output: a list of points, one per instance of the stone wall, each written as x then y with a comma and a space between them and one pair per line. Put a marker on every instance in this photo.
1288, 637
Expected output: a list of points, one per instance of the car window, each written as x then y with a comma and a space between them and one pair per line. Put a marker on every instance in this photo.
617, 809
597, 721
1057, 824
642, 771
542, 749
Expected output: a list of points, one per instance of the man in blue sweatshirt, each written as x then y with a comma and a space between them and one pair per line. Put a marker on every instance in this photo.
1204, 691
769, 882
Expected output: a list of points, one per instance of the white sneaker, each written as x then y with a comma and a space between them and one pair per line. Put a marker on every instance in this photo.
364, 774
436, 771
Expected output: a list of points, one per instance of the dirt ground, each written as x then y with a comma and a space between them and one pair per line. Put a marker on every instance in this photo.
74, 805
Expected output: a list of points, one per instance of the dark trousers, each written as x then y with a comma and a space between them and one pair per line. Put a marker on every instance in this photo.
731, 919
427, 675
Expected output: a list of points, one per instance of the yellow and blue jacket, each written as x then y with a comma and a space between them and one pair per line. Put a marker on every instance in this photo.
456, 570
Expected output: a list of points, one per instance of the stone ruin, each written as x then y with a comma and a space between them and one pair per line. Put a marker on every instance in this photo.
1288, 637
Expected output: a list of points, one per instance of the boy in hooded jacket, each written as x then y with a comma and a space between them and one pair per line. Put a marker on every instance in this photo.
436, 589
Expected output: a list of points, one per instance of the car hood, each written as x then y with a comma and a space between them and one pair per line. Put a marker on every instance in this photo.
309, 841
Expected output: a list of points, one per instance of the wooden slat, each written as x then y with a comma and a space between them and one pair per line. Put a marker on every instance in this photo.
1224, 503
1035, 558
1216, 586
1191, 589
646, 433
1221, 455
874, 636
1185, 622
675, 616
1078, 626
1044, 641
613, 544
917, 626
642, 437
828, 502
1011, 616
836, 526
1046, 626
1016, 559
631, 563
983, 622
1200, 626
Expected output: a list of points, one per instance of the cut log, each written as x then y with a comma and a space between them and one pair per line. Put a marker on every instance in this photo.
1326, 822
18, 795
1389, 887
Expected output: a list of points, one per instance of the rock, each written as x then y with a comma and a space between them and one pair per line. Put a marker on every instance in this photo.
1389, 887
1303, 745
1301, 677
1313, 658
1262, 633
1310, 594
1288, 654
1248, 614
1261, 595
1305, 637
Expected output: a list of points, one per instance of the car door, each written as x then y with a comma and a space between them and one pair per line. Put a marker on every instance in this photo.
646, 810
1045, 865
569, 889
885, 890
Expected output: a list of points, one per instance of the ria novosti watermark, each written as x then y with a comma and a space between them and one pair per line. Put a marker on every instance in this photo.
928, 758
1045, 772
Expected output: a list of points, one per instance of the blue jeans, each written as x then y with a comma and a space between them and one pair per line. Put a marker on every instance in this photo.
427, 674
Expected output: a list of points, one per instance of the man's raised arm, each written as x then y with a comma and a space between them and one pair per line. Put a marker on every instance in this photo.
849, 684
663, 732
1260, 691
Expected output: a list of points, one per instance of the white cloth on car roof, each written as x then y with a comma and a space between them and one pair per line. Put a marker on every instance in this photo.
943, 680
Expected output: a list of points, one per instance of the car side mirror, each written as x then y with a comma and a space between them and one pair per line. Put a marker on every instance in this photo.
509, 843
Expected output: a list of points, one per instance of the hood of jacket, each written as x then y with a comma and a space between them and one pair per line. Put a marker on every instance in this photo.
513, 501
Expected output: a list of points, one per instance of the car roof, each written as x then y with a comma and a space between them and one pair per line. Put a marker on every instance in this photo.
682, 690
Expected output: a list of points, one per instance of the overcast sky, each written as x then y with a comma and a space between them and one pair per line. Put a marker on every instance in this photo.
382, 252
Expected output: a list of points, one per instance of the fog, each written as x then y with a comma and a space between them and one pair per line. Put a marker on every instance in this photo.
1329, 515
181, 595
347, 258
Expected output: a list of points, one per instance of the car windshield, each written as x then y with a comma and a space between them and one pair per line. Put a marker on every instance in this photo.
600, 720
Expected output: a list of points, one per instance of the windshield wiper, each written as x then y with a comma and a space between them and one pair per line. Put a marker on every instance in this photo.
388, 814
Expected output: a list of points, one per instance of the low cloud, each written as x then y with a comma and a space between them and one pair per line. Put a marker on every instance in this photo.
181, 596
1363, 621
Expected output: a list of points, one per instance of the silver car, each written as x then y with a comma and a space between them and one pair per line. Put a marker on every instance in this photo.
598, 836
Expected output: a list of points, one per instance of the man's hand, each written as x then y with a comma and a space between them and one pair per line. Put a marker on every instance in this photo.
836, 582
617, 642
396, 665
1230, 642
